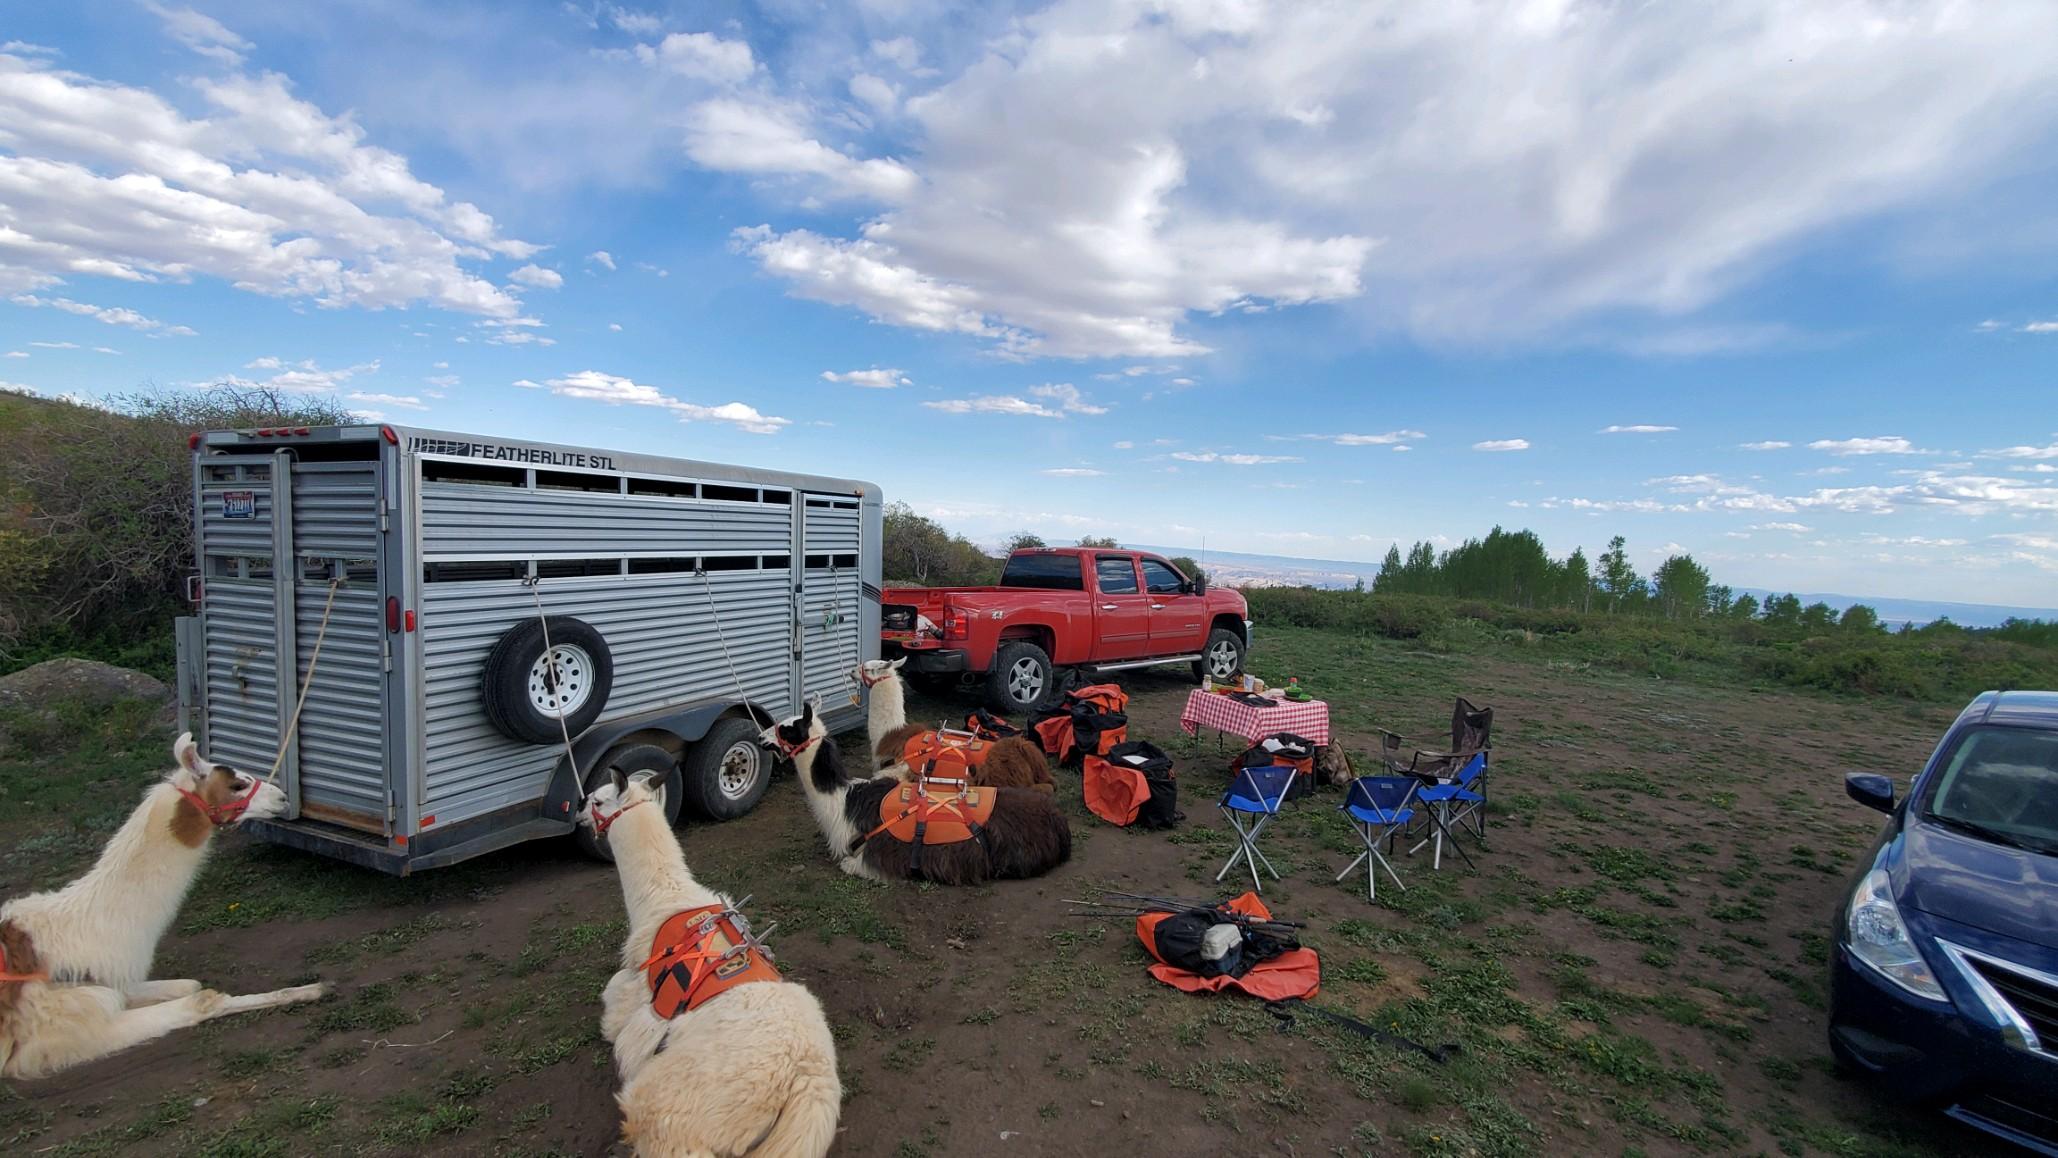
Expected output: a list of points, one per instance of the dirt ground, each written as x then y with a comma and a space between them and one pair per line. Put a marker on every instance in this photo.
1634, 966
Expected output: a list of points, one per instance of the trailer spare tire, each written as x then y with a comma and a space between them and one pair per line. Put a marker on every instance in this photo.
524, 694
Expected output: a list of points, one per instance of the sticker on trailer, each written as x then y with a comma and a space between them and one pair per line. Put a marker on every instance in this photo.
239, 504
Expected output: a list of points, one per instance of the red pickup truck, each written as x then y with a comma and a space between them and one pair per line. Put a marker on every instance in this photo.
1065, 607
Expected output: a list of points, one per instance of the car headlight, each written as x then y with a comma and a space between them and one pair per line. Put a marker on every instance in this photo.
1880, 938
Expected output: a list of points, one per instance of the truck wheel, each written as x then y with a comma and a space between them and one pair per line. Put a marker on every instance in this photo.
524, 692
630, 759
727, 770
1021, 679
1221, 659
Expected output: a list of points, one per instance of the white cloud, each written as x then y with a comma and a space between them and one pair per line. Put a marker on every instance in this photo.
111, 315
702, 56
635, 23
1767, 445
601, 257
1987, 327
201, 33
1796, 528
737, 135
105, 350
404, 401
615, 390
1889, 444
445, 381
1073, 472
1219, 157
876, 94
538, 277
265, 192
862, 274
1233, 459
901, 50
2041, 328
1637, 429
1067, 397
2050, 451
17, 353
1125, 444
614, 327
24, 48
994, 404
874, 378
303, 377
1403, 447
1502, 444
56, 345
514, 337
1389, 438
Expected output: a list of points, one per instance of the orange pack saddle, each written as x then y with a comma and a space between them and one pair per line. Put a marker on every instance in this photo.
931, 811
700, 954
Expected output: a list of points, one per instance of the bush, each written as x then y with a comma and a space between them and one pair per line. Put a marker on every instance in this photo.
96, 515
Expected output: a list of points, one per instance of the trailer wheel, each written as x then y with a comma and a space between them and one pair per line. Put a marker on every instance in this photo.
726, 771
1021, 681
525, 692
630, 759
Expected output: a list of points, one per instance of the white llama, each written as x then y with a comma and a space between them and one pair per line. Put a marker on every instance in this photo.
886, 710
77, 960
750, 1072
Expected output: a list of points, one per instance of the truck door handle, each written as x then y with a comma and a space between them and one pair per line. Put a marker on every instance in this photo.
1157, 607
1111, 607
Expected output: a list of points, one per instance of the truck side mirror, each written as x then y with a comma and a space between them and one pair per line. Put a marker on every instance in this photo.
1198, 585
1870, 789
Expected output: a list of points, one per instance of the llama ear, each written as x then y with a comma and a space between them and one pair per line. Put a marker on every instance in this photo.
187, 753
896, 665
619, 779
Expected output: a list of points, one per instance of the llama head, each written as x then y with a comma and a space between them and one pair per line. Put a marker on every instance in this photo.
620, 792
228, 795
790, 736
878, 671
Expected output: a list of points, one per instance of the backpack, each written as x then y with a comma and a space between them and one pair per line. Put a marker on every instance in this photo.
1281, 749
1134, 783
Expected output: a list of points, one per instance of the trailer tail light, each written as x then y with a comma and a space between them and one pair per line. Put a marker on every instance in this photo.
408, 620
391, 436
193, 441
392, 613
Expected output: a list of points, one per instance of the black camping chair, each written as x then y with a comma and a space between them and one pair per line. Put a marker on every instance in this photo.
1454, 780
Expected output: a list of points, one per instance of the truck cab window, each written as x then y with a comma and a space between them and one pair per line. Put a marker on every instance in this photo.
1048, 572
1161, 579
1117, 574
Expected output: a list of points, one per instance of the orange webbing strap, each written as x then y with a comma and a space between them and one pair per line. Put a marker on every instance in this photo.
23, 978
705, 953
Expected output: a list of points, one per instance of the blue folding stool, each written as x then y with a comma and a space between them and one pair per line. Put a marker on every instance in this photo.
1437, 800
1256, 793
1379, 807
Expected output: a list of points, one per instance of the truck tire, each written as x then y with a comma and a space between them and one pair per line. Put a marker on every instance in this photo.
1021, 680
630, 759
726, 771
523, 695
1221, 658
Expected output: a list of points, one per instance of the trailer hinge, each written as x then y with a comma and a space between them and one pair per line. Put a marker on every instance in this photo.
385, 655
382, 514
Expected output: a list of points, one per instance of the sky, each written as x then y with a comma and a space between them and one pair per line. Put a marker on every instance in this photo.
1769, 283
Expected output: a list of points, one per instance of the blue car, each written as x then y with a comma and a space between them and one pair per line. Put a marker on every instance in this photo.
1944, 981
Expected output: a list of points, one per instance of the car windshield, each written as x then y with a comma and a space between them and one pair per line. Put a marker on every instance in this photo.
2001, 785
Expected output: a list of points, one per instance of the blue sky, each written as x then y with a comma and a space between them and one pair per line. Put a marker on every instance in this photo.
1770, 283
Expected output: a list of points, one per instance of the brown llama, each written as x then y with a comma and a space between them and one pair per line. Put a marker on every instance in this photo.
74, 963
1024, 835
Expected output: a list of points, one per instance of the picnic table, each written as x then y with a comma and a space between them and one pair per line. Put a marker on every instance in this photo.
1308, 719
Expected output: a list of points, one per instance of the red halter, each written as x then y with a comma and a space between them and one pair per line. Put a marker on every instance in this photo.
869, 682
602, 823
221, 814
6, 977
792, 750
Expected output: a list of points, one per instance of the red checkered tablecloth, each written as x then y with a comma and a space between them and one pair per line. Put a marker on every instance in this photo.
1206, 709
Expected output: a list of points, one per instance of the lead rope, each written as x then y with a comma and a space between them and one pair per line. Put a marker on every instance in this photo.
535, 585
314, 657
707, 588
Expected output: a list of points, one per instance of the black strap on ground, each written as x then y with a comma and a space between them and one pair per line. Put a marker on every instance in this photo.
1285, 1008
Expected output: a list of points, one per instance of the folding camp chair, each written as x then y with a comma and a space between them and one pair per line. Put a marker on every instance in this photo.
1256, 793
1378, 807
1438, 795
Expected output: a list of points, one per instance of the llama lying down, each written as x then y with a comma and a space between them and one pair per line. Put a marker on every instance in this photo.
76, 960
1012, 762
717, 1054
959, 837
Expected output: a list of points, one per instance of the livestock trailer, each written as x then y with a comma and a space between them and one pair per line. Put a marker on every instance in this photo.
687, 604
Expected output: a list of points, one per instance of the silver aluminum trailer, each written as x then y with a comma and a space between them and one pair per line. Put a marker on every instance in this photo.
689, 604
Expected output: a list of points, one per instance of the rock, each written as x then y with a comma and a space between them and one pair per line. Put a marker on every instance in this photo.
85, 681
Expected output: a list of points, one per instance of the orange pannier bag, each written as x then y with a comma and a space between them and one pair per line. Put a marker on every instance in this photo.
1294, 973
934, 813
691, 961
938, 755
1113, 792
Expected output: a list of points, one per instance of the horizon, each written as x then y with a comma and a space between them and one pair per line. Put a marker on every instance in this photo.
1761, 285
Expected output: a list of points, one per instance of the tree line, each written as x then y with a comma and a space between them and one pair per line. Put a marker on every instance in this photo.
919, 551
1512, 567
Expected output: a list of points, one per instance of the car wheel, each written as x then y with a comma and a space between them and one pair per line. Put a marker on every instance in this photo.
525, 692
1021, 679
630, 760
726, 771
1221, 659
